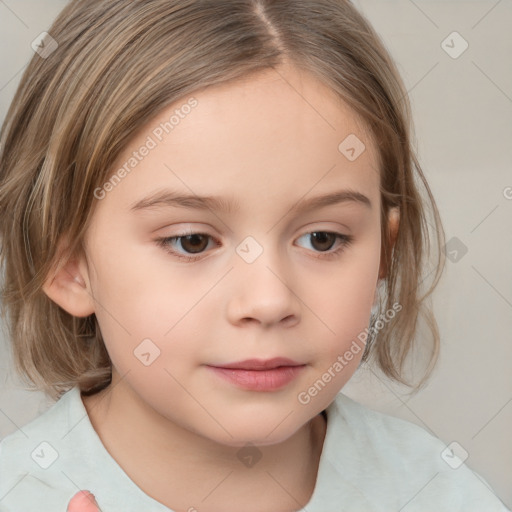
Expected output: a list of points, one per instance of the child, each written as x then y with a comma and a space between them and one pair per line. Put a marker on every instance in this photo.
200, 201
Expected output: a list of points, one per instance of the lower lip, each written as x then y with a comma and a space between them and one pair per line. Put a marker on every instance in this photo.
259, 380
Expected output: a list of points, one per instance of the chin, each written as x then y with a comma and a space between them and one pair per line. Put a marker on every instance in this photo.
251, 438
262, 431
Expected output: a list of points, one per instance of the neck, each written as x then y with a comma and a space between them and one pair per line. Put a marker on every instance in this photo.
183, 470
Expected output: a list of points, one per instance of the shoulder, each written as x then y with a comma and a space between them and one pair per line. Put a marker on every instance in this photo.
385, 443
371, 428
399, 462
54, 422
44, 464
33, 458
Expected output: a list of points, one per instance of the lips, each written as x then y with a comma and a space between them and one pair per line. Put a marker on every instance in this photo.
260, 374
260, 364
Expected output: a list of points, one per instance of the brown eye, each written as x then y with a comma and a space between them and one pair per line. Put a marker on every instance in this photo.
188, 246
322, 240
194, 243
325, 244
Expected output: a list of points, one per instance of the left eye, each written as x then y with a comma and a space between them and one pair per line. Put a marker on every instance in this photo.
323, 241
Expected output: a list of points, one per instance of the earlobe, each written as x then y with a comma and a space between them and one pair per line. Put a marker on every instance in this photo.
67, 286
393, 225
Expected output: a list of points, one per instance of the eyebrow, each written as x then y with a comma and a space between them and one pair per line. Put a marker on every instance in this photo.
169, 198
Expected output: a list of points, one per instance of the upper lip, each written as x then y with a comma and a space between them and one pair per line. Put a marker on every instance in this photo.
260, 364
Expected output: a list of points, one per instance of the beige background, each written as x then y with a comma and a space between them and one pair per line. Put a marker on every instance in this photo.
463, 116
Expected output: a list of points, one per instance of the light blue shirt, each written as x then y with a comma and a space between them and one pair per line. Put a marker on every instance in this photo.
370, 462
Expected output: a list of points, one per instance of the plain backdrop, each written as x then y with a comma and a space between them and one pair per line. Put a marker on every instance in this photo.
462, 106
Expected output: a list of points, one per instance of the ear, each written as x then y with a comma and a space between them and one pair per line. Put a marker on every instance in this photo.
385, 258
68, 284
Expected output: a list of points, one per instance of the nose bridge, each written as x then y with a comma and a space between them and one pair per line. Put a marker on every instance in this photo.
263, 287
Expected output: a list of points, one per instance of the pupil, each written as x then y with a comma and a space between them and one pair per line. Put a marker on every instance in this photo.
323, 241
196, 243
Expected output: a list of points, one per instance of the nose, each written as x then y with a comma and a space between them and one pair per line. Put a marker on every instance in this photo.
262, 293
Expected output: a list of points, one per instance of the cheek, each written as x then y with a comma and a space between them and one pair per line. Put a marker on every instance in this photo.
341, 340
344, 306
135, 289
141, 298
147, 314
346, 297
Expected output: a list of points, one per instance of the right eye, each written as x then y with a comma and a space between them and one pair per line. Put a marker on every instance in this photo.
185, 245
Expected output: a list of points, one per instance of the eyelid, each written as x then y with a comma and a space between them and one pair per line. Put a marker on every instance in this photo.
163, 242
339, 236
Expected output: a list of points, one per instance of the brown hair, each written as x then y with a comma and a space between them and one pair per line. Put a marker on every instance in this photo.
119, 63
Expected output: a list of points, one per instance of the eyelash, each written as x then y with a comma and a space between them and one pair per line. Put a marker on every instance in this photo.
165, 242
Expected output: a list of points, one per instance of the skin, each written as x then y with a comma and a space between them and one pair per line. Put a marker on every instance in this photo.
174, 426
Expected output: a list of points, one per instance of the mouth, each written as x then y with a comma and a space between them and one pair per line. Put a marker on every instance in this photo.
260, 374
260, 364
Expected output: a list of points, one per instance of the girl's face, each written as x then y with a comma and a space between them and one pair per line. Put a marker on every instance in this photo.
264, 243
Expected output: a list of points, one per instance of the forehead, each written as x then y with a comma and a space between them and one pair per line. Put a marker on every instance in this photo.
276, 134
